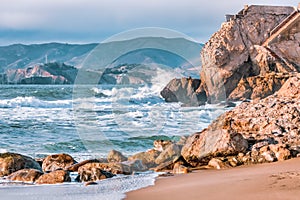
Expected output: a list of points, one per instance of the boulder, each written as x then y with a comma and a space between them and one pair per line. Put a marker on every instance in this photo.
212, 142
281, 152
180, 169
115, 156
147, 158
217, 164
25, 175
184, 90
172, 152
90, 173
135, 165
57, 161
54, 177
114, 168
12, 162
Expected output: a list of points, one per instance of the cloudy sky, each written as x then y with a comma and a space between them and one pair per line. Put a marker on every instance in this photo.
85, 21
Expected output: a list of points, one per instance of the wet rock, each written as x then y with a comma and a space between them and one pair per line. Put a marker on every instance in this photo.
54, 177
148, 157
91, 173
114, 168
12, 162
74, 168
57, 161
25, 175
184, 90
115, 156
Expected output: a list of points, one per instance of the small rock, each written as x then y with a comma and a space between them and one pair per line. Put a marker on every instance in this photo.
180, 169
90, 183
217, 164
269, 156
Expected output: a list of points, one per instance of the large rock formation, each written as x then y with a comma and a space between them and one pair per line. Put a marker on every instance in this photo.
242, 49
250, 57
266, 130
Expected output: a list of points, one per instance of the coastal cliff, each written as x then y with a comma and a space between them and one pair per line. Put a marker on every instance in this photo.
252, 55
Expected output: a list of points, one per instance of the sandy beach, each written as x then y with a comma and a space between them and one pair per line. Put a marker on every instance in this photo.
280, 180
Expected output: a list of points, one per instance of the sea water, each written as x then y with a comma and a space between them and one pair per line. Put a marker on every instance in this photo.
38, 120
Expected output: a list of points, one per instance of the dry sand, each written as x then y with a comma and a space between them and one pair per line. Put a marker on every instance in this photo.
280, 180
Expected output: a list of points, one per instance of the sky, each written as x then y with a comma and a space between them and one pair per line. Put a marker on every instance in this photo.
92, 21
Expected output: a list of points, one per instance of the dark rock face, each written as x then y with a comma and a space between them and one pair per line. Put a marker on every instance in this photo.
57, 161
55, 177
12, 162
25, 175
184, 90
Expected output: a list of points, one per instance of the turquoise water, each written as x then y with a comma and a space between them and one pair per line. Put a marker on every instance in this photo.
44, 119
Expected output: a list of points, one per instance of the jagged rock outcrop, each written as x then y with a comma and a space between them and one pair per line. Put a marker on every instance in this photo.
265, 130
238, 51
184, 90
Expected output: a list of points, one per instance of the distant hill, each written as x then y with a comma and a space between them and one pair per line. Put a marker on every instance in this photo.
19, 56
57, 63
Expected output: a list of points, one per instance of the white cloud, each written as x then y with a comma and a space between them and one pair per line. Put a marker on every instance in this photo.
199, 18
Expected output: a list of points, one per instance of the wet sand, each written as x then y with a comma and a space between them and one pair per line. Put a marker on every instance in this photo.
279, 180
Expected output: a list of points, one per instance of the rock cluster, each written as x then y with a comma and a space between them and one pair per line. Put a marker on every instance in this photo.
259, 131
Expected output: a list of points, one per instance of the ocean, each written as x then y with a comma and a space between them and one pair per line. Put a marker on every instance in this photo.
38, 120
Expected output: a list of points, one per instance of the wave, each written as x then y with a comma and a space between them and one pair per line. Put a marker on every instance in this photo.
34, 102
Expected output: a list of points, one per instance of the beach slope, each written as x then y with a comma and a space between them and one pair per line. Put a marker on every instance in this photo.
280, 180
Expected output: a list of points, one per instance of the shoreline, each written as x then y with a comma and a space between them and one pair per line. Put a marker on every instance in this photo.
278, 180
